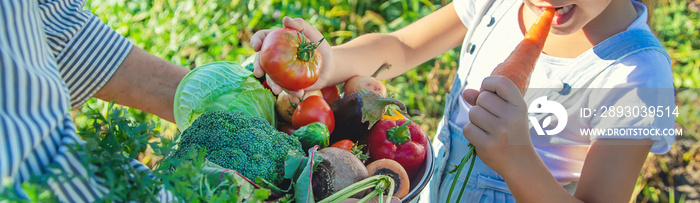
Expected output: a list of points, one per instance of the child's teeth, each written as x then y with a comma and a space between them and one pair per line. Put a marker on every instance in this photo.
564, 10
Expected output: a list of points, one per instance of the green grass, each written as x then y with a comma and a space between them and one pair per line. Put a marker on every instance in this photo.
194, 32
673, 177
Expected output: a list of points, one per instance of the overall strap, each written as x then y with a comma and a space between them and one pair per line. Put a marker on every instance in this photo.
610, 52
485, 22
592, 63
482, 21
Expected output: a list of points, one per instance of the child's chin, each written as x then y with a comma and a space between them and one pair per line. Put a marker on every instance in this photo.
563, 29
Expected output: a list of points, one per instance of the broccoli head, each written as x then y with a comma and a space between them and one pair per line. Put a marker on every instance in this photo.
243, 143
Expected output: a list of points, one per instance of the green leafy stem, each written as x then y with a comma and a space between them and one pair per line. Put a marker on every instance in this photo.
381, 184
471, 154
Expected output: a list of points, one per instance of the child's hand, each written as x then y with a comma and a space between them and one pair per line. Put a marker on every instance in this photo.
312, 34
499, 127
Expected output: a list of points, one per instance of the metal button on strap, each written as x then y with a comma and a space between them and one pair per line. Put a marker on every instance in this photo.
491, 22
560, 86
556, 85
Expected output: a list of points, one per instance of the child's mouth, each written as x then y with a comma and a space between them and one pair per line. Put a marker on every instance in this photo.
562, 15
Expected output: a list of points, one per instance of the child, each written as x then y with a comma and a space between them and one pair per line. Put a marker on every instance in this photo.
592, 44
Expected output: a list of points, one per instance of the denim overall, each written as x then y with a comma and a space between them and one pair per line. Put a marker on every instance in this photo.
485, 185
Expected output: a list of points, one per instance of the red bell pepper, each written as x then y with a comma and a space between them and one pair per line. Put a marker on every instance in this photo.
401, 140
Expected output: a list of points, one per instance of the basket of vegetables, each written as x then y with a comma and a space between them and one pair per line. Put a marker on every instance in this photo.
323, 147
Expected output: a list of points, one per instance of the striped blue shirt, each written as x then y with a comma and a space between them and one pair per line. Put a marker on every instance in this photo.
53, 55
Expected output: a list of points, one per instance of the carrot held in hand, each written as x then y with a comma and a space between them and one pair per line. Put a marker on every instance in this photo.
517, 67
521, 62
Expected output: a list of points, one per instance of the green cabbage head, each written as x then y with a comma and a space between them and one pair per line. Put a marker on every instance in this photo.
221, 86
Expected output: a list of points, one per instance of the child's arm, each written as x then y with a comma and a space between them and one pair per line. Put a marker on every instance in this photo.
611, 169
609, 173
405, 48
402, 49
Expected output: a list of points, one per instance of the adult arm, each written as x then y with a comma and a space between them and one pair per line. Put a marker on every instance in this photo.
89, 54
36, 128
86, 53
146, 82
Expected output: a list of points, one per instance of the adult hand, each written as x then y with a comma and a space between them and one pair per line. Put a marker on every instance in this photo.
312, 34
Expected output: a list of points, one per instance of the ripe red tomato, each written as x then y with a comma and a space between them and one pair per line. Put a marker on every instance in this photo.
289, 60
265, 85
330, 93
313, 109
344, 144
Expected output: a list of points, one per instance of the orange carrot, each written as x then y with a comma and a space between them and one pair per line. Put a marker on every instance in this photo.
521, 62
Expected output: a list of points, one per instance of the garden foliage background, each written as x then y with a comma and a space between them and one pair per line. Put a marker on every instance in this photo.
194, 32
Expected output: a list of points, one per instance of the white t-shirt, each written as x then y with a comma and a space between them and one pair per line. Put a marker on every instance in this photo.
565, 152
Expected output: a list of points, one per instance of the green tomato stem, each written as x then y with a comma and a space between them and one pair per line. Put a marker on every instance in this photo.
293, 105
399, 134
306, 49
373, 106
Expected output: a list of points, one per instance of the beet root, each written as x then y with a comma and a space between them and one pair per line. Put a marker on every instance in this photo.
338, 169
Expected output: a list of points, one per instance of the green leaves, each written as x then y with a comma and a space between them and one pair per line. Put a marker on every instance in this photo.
678, 28
300, 169
303, 193
113, 138
220, 179
111, 142
256, 103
